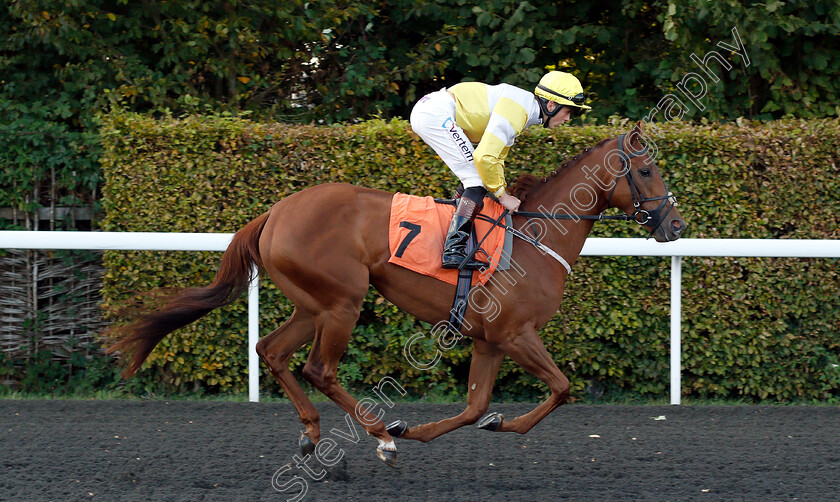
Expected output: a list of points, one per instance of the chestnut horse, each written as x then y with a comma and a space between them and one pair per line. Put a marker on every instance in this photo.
323, 246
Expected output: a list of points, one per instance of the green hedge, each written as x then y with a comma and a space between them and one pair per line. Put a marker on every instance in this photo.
753, 328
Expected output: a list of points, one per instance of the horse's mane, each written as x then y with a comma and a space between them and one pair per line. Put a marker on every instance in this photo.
527, 183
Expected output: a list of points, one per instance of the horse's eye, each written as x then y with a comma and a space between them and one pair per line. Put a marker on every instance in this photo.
645, 172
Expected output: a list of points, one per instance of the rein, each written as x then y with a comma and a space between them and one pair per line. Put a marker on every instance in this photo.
640, 216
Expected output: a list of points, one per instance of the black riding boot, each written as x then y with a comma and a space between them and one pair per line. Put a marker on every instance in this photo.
455, 248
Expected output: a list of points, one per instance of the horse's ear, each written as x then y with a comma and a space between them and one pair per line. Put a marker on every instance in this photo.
636, 133
639, 140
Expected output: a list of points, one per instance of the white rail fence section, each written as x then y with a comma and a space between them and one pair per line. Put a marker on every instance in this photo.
154, 241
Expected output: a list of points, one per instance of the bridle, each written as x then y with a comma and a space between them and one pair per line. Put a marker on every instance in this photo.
653, 217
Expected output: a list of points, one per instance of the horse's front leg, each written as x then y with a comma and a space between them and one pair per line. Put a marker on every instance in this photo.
484, 367
528, 351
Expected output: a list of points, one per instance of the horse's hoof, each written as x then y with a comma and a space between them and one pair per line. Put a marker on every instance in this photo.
387, 456
397, 428
491, 422
306, 444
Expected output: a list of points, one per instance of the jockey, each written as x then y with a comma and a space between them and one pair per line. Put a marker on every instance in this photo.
452, 120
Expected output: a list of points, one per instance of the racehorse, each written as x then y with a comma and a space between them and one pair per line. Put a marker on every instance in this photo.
327, 273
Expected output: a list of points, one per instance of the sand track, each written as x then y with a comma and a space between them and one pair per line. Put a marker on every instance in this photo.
186, 451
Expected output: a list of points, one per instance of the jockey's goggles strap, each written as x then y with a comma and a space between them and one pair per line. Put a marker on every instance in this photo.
577, 99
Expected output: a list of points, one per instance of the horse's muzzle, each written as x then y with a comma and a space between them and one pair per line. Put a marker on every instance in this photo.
670, 229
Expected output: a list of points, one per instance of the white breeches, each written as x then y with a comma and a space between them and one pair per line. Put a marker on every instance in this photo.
433, 119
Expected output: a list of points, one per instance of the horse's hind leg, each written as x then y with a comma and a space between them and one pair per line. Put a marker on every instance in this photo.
484, 367
275, 349
333, 330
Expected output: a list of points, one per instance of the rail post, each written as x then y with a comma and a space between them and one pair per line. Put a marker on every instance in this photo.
254, 335
676, 327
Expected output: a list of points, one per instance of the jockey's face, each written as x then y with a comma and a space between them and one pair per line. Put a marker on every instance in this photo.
563, 116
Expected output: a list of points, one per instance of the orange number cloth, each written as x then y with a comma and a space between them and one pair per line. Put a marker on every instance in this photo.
417, 230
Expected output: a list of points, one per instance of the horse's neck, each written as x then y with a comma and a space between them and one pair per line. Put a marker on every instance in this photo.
567, 236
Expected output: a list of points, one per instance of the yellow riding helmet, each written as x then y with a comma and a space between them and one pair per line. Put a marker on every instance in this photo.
562, 88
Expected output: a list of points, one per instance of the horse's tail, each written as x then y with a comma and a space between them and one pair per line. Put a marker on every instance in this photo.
139, 338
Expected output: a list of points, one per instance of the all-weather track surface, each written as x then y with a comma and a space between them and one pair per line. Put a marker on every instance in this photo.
209, 451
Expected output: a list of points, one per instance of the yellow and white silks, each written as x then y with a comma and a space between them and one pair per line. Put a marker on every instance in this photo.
490, 116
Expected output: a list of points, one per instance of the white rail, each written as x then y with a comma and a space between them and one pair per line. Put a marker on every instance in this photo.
150, 241
155, 241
